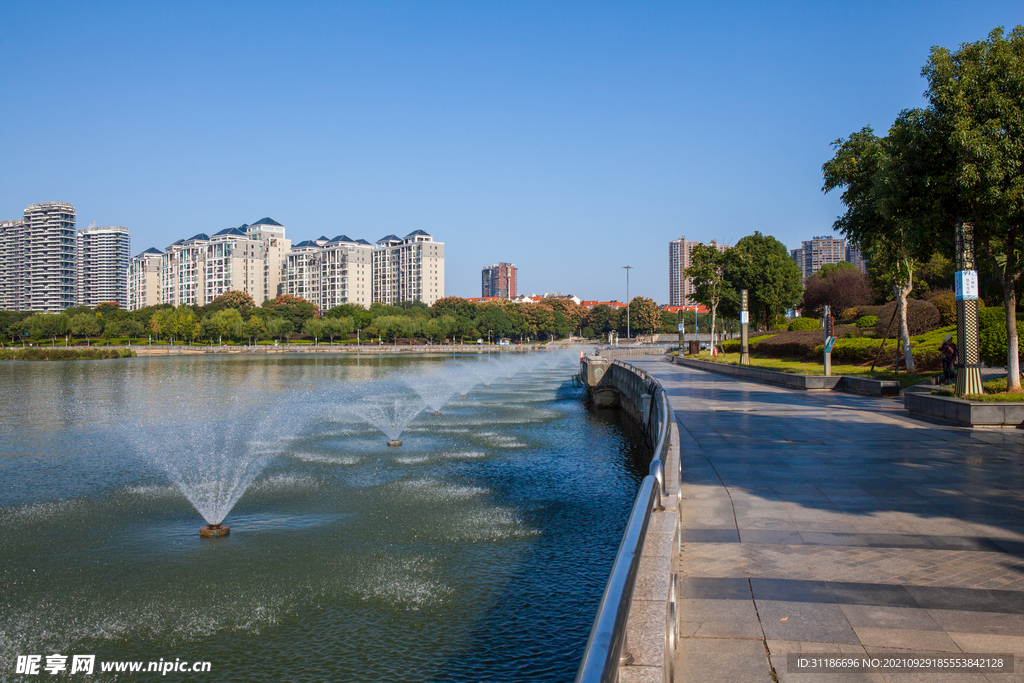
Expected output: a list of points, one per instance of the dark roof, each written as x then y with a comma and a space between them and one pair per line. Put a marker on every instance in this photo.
231, 231
341, 238
306, 243
414, 233
363, 242
200, 236
389, 238
151, 250
321, 238
268, 221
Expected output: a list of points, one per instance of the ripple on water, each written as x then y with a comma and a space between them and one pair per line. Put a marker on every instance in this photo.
328, 459
284, 482
408, 582
44, 511
436, 489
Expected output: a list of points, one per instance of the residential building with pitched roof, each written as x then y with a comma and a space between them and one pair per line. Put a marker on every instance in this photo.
331, 272
409, 268
144, 279
249, 258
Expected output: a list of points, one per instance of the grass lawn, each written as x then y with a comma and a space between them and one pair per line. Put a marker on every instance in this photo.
798, 367
995, 392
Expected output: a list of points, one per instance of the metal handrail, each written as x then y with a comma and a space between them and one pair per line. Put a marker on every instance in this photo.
600, 662
607, 642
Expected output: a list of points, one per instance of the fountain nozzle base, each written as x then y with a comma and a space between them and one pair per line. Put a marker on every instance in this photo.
394, 442
437, 412
214, 530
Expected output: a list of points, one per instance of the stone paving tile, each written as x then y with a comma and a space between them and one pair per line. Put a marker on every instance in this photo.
905, 639
876, 616
714, 660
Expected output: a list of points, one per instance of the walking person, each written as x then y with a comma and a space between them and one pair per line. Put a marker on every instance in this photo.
948, 353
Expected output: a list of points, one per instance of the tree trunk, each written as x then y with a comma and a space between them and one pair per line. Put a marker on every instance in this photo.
902, 292
1012, 349
713, 312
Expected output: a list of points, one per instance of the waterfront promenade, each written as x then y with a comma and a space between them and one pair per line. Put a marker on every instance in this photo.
827, 522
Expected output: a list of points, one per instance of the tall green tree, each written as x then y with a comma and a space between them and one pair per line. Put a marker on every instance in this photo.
893, 206
85, 325
762, 265
315, 328
706, 273
644, 314
976, 95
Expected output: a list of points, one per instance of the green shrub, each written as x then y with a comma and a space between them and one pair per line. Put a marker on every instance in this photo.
992, 333
945, 302
781, 327
733, 345
588, 332
804, 324
850, 314
867, 321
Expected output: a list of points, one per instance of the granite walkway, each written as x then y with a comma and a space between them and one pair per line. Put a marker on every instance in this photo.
832, 523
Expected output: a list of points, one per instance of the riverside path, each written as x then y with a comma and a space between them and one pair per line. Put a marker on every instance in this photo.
831, 523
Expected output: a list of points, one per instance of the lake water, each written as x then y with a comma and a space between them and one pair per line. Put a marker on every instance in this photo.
478, 550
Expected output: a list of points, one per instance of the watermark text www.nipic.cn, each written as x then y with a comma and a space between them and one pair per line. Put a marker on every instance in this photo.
34, 665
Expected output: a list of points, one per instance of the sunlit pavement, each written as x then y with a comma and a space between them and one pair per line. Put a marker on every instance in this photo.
831, 523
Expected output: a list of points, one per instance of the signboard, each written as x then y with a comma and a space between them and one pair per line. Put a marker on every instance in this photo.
829, 343
966, 284
745, 317
682, 328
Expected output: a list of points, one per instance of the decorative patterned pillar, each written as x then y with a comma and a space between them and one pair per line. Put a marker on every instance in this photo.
744, 329
968, 372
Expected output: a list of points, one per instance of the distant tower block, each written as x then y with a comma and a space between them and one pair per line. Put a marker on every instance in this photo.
500, 280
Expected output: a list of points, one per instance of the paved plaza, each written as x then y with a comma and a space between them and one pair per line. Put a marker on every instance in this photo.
830, 523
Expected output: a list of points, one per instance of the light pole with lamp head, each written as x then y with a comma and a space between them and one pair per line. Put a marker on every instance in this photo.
627, 269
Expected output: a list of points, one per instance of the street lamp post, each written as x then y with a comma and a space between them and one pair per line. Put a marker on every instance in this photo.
627, 269
489, 332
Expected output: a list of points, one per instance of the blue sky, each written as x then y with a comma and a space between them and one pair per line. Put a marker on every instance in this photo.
568, 138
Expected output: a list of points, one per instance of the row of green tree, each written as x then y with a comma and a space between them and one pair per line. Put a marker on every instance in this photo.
234, 317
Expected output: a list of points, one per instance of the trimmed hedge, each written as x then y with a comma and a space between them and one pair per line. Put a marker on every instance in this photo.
733, 345
866, 321
37, 353
803, 324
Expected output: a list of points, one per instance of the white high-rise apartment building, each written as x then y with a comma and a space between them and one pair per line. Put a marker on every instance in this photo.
102, 256
680, 287
409, 268
45, 257
144, 279
331, 272
12, 270
250, 258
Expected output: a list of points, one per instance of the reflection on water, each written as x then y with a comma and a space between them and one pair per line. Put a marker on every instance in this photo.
477, 550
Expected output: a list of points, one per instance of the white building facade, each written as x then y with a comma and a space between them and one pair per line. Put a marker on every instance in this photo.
144, 279
102, 256
331, 272
409, 268
250, 259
